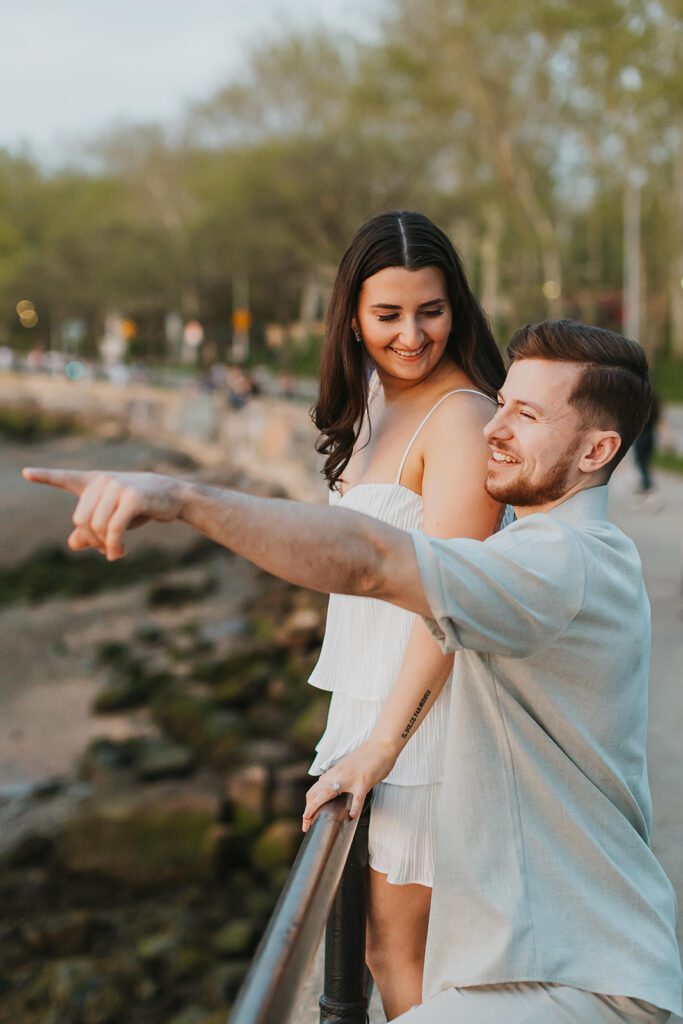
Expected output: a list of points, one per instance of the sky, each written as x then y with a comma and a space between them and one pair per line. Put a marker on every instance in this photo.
71, 69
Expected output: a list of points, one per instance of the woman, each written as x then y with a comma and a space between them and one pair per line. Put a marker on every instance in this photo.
408, 379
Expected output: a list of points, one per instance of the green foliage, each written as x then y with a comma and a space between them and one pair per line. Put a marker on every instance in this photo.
668, 375
513, 126
670, 461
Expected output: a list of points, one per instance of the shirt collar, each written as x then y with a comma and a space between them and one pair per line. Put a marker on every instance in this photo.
590, 503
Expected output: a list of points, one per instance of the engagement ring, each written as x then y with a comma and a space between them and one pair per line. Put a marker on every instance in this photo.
336, 786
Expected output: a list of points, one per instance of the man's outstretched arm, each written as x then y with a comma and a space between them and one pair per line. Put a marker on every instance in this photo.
330, 550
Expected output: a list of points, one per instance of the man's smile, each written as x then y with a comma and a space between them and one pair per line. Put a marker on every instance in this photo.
503, 457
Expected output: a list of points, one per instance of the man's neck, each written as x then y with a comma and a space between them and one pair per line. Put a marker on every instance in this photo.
527, 510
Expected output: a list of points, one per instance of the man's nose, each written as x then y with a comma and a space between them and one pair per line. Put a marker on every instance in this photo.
497, 426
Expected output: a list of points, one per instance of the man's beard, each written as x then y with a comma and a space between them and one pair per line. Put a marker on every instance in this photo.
524, 493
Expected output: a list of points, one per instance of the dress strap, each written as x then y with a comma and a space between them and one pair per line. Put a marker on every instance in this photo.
458, 391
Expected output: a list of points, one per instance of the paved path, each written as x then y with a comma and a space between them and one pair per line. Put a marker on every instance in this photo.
659, 537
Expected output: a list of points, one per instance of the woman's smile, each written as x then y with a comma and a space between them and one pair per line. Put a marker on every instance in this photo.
409, 353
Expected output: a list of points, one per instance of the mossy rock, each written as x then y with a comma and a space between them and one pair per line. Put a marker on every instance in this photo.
260, 902
310, 725
150, 634
121, 695
191, 1015
223, 732
145, 838
27, 422
212, 733
54, 570
291, 784
153, 949
33, 850
188, 963
277, 845
172, 595
248, 792
302, 629
226, 847
69, 981
232, 693
105, 759
222, 984
236, 687
159, 759
235, 938
268, 751
113, 652
182, 715
70, 933
264, 720
105, 1005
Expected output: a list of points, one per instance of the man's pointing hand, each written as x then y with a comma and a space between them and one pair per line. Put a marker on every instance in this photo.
111, 503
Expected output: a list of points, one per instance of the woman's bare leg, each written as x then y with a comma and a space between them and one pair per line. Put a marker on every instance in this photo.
396, 937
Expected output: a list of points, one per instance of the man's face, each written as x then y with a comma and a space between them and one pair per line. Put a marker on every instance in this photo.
536, 436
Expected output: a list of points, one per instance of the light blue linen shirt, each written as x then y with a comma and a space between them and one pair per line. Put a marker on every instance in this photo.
544, 870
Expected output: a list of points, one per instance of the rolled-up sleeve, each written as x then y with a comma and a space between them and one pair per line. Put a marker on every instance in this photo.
510, 595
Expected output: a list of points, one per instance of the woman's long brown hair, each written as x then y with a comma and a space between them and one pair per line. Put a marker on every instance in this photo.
396, 239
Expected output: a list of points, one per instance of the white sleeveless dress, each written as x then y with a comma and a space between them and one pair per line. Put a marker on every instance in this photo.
363, 649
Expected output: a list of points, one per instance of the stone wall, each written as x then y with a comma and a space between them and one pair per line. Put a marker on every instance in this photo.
270, 439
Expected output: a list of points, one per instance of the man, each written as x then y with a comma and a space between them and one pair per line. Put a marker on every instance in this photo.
548, 903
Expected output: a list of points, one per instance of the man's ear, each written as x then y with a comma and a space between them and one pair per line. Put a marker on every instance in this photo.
601, 447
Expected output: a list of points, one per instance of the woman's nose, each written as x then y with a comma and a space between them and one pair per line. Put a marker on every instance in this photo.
411, 334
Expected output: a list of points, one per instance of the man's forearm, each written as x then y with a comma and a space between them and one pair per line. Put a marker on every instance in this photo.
330, 550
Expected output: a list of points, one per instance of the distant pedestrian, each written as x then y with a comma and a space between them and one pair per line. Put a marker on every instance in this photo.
644, 448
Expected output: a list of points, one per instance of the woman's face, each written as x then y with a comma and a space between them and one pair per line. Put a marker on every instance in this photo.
405, 320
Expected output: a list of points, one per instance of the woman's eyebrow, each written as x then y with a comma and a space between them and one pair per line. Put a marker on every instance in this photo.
389, 305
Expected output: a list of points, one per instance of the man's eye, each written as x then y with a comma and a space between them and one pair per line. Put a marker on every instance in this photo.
527, 415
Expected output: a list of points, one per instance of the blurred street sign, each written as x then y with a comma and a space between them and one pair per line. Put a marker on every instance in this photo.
241, 319
193, 333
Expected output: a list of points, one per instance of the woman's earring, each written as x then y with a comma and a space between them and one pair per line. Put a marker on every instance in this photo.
356, 334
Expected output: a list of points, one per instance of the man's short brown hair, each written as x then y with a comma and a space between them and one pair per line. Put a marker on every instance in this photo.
614, 392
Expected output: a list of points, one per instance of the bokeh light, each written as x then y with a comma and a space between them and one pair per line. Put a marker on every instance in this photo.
75, 370
28, 318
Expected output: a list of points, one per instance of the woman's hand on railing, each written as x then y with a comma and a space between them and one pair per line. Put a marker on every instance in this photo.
356, 773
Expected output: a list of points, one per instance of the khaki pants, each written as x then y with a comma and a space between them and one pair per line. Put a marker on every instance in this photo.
531, 1003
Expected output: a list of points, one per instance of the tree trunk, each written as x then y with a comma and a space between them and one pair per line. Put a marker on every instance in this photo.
631, 279
676, 273
489, 251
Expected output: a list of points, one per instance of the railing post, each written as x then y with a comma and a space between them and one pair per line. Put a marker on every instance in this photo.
345, 992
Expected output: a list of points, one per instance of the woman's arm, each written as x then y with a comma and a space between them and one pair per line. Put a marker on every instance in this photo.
455, 505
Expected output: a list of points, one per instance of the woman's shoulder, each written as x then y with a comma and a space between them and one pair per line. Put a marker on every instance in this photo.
453, 436
461, 408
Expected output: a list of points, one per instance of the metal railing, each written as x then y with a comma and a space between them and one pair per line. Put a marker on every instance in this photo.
327, 883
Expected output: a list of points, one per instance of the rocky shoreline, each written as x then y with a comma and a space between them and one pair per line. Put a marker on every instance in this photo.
135, 889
